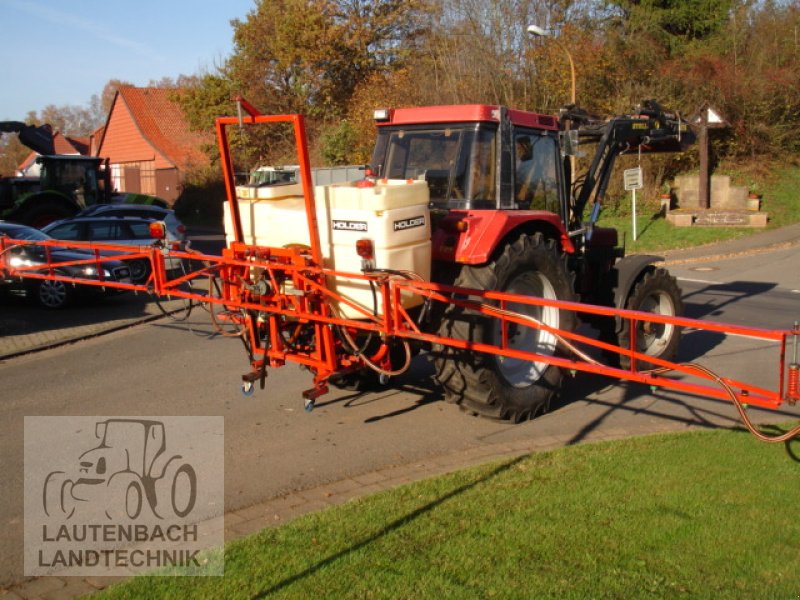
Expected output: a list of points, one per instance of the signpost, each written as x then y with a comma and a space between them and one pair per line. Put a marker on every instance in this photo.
633, 182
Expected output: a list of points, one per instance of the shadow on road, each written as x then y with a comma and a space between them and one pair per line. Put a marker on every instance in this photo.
712, 299
19, 317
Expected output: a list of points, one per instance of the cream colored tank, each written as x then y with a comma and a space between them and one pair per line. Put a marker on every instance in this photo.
392, 213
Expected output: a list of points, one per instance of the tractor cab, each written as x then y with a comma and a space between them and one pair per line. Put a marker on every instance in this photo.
81, 177
474, 157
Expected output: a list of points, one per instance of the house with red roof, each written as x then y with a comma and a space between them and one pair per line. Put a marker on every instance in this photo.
149, 144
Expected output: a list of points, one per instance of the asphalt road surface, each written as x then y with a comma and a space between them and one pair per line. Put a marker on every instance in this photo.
272, 446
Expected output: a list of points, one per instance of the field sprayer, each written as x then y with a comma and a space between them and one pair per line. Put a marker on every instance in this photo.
467, 256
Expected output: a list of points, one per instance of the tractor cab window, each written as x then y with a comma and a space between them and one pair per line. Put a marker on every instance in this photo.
536, 183
457, 162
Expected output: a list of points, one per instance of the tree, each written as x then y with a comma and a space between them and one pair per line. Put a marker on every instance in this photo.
309, 57
313, 54
109, 92
12, 153
676, 21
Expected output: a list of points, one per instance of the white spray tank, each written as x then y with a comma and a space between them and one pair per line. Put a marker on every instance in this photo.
392, 213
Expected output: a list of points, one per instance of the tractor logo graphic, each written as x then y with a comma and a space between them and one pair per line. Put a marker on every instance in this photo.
128, 474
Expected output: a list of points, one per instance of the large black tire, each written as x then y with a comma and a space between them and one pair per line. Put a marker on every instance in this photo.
507, 389
43, 211
656, 292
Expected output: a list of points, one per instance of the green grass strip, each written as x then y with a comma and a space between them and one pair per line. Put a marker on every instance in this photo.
654, 234
700, 514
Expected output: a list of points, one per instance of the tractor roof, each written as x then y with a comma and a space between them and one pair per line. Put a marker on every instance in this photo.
461, 113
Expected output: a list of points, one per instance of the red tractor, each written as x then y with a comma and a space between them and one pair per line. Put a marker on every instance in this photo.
506, 217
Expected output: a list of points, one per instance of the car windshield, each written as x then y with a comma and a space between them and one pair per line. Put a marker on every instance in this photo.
24, 233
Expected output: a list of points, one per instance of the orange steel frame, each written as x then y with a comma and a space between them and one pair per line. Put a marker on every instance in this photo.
307, 305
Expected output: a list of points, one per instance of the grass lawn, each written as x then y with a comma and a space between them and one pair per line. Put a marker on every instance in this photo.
780, 200
700, 514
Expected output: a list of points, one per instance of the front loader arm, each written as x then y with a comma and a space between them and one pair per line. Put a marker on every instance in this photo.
651, 129
37, 138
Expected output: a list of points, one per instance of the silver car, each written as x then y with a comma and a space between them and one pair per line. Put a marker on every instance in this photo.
145, 211
130, 231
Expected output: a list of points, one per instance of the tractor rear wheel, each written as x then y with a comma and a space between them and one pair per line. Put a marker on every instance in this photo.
501, 387
656, 292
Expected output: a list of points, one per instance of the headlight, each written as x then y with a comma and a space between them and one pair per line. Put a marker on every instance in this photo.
18, 261
92, 272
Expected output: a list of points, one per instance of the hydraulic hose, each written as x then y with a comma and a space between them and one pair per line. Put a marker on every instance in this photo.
772, 439
354, 349
212, 287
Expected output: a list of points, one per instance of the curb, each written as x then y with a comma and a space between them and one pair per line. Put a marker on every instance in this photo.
729, 255
78, 338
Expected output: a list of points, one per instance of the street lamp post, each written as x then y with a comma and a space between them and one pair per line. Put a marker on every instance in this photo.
539, 32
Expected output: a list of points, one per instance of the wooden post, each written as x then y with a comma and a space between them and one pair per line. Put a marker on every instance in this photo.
704, 192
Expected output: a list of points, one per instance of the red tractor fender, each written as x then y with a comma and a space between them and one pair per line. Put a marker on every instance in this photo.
470, 237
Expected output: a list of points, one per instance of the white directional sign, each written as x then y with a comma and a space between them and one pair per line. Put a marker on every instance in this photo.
633, 179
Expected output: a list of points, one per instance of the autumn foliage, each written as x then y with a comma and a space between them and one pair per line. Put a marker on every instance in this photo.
337, 60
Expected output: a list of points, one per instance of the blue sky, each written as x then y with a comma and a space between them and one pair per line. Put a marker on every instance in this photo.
64, 51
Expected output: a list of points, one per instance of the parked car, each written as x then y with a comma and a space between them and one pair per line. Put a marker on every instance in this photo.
130, 231
144, 211
48, 293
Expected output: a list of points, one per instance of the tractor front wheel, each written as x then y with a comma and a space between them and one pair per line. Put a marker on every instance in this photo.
502, 387
656, 292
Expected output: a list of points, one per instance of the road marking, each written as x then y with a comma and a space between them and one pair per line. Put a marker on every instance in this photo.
707, 282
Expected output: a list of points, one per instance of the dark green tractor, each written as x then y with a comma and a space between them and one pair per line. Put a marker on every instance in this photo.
66, 183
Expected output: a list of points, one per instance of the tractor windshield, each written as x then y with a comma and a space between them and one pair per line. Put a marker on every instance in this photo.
458, 162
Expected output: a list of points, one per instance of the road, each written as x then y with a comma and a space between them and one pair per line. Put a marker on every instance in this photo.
272, 446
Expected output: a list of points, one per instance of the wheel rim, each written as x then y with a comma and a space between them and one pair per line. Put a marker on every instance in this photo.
52, 294
653, 338
523, 373
139, 270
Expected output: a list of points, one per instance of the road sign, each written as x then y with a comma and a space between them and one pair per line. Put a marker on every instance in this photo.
633, 179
